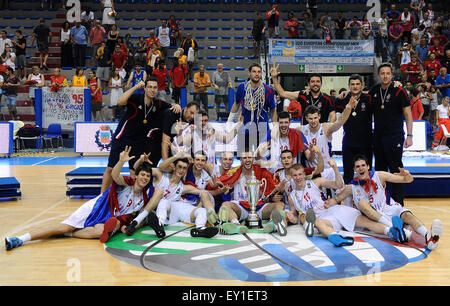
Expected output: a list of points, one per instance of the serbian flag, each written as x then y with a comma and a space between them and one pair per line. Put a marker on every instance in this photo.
190, 180
296, 141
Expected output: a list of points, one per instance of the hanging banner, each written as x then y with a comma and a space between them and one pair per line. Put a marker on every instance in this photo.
66, 106
319, 52
94, 137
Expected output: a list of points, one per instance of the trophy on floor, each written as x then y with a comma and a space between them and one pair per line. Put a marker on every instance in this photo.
253, 187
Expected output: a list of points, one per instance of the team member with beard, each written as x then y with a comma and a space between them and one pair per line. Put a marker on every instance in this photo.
311, 96
237, 208
256, 101
103, 215
358, 135
368, 190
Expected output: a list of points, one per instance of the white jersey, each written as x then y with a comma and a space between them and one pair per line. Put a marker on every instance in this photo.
290, 185
129, 202
377, 198
207, 145
239, 193
318, 139
201, 184
310, 197
172, 193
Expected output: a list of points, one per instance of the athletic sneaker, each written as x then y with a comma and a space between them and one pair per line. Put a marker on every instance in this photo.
269, 227
131, 229
13, 242
224, 215
432, 237
340, 241
310, 220
153, 221
278, 221
212, 217
207, 232
396, 230
231, 228
109, 229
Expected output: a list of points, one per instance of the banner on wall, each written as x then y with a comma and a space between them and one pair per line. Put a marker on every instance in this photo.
94, 137
337, 53
67, 106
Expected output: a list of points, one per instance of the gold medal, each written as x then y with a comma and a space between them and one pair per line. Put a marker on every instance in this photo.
145, 121
354, 114
382, 106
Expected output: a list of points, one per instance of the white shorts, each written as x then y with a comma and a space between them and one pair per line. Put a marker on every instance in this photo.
341, 217
328, 174
393, 210
180, 211
79, 217
244, 212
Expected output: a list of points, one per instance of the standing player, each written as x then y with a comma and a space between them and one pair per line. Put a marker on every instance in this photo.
312, 96
139, 126
307, 198
103, 215
256, 101
369, 195
358, 135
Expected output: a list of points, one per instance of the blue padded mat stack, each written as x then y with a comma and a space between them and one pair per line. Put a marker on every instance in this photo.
9, 187
86, 181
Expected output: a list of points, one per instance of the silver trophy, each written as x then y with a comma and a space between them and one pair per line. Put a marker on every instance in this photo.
253, 188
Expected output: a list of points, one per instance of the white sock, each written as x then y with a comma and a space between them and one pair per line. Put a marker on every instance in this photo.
422, 231
25, 237
141, 216
200, 217
385, 221
386, 231
68, 234
235, 221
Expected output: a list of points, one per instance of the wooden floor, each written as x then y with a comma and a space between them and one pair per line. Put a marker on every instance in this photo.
72, 261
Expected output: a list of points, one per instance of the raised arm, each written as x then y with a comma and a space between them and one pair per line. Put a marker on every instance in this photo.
123, 158
291, 95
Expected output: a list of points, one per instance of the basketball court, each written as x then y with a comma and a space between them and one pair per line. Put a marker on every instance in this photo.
256, 258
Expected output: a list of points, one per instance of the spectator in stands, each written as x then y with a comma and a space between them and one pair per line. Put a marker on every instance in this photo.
137, 76
35, 80
407, 21
42, 35
113, 35
413, 70
79, 36
66, 46
179, 77
382, 36
57, 80
119, 60
87, 16
442, 118
311, 5
404, 55
103, 57
257, 32
422, 50
79, 79
443, 82
327, 25
161, 73
292, 25
416, 7
4, 40
179, 54
201, 83
10, 86
395, 39
153, 56
443, 41
221, 81
430, 11
417, 110
96, 35
109, 17
432, 64
446, 61
354, 26
175, 27
341, 23
309, 26
141, 51
152, 39
20, 46
426, 21
131, 52
273, 19
8, 57
115, 85
425, 97
437, 49
366, 29
190, 47
96, 96
393, 14
163, 33
432, 77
